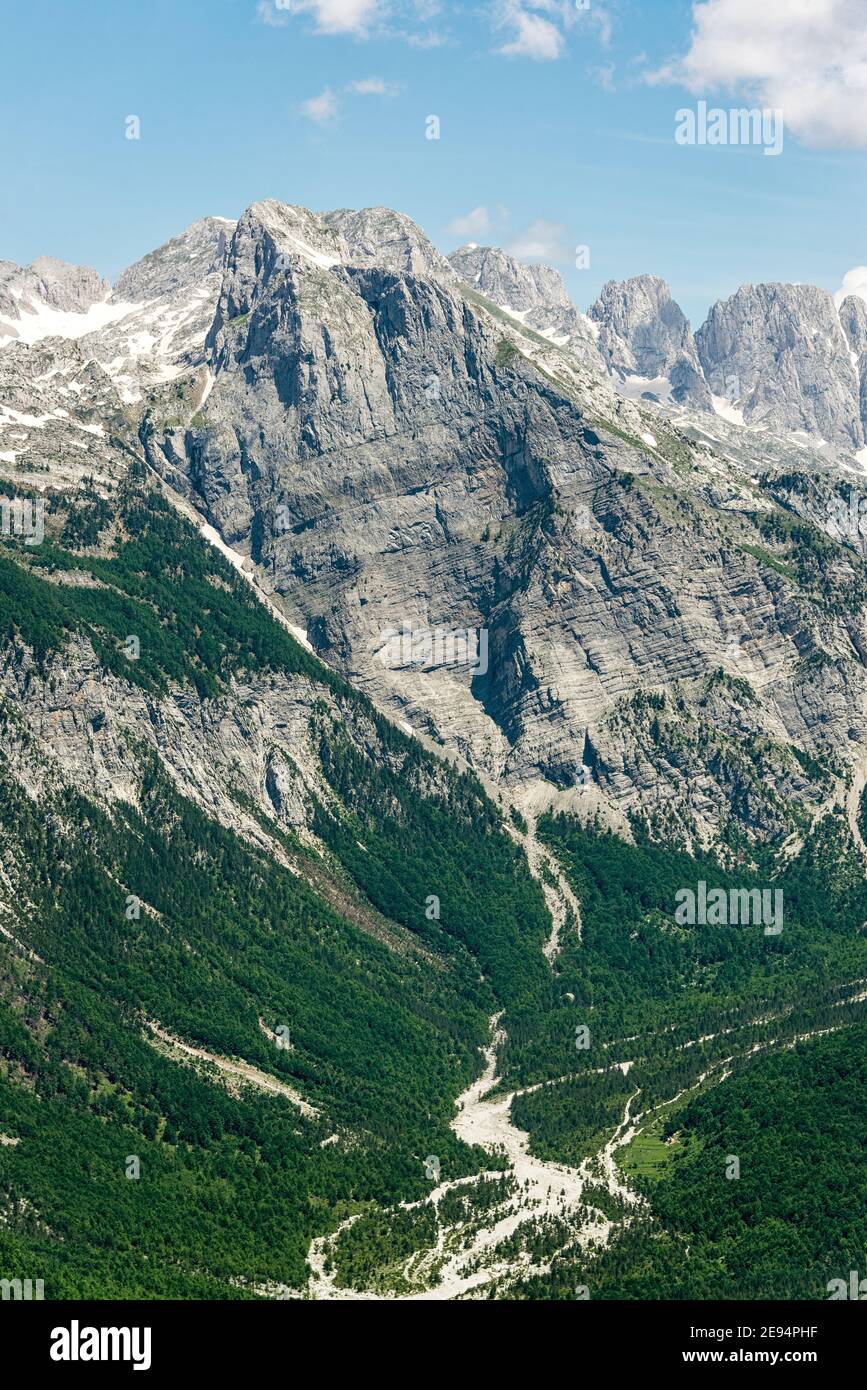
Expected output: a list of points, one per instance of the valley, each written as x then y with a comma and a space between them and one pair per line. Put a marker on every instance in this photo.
516, 1071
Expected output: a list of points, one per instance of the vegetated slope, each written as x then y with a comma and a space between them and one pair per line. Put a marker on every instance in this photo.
792, 1220
672, 998
150, 908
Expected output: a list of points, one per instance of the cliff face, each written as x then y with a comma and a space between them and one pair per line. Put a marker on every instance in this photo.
534, 294
643, 332
388, 460
589, 603
785, 348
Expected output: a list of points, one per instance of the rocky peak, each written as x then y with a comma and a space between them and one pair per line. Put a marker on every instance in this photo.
783, 349
26, 292
535, 294
382, 237
643, 331
502, 278
182, 261
853, 317
271, 239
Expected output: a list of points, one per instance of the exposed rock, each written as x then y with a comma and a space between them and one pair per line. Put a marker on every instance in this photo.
535, 294
643, 332
853, 317
385, 450
364, 446
507, 281
381, 237
48, 283
784, 347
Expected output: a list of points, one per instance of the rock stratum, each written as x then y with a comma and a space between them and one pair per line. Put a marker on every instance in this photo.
622, 603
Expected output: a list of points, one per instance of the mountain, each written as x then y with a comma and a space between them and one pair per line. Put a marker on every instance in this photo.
642, 332
149, 328
785, 350
781, 357
384, 456
381, 237
26, 293
376, 674
533, 294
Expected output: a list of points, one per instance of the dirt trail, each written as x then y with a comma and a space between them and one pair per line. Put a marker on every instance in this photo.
242, 1070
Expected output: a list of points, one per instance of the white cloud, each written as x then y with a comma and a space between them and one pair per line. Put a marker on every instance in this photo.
321, 109
372, 87
331, 16
543, 35
268, 14
476, 223
807, 58
854, 282
542, 241
325, 108
535, 37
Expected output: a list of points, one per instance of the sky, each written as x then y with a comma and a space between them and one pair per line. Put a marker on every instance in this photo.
557, 124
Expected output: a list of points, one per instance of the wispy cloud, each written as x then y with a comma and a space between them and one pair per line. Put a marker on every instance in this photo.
322, 110
808, 60
603, 76
325, 109
372, 87
542, 241
475, 223
330, 16
432, 38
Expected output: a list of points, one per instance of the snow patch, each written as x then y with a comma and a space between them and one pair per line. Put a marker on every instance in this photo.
39, 321
728, 411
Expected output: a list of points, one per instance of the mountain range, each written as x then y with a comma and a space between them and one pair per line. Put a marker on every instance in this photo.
398, 640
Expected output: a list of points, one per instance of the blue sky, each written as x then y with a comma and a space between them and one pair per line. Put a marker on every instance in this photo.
556, 128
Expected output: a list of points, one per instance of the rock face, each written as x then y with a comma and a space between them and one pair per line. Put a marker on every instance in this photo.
149, 329
164, 308
853, 317
643, 332
507, 281
379, 236
37, 300
47, 283
184, 262
388, 473
544, 577
788, 356
534, 293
